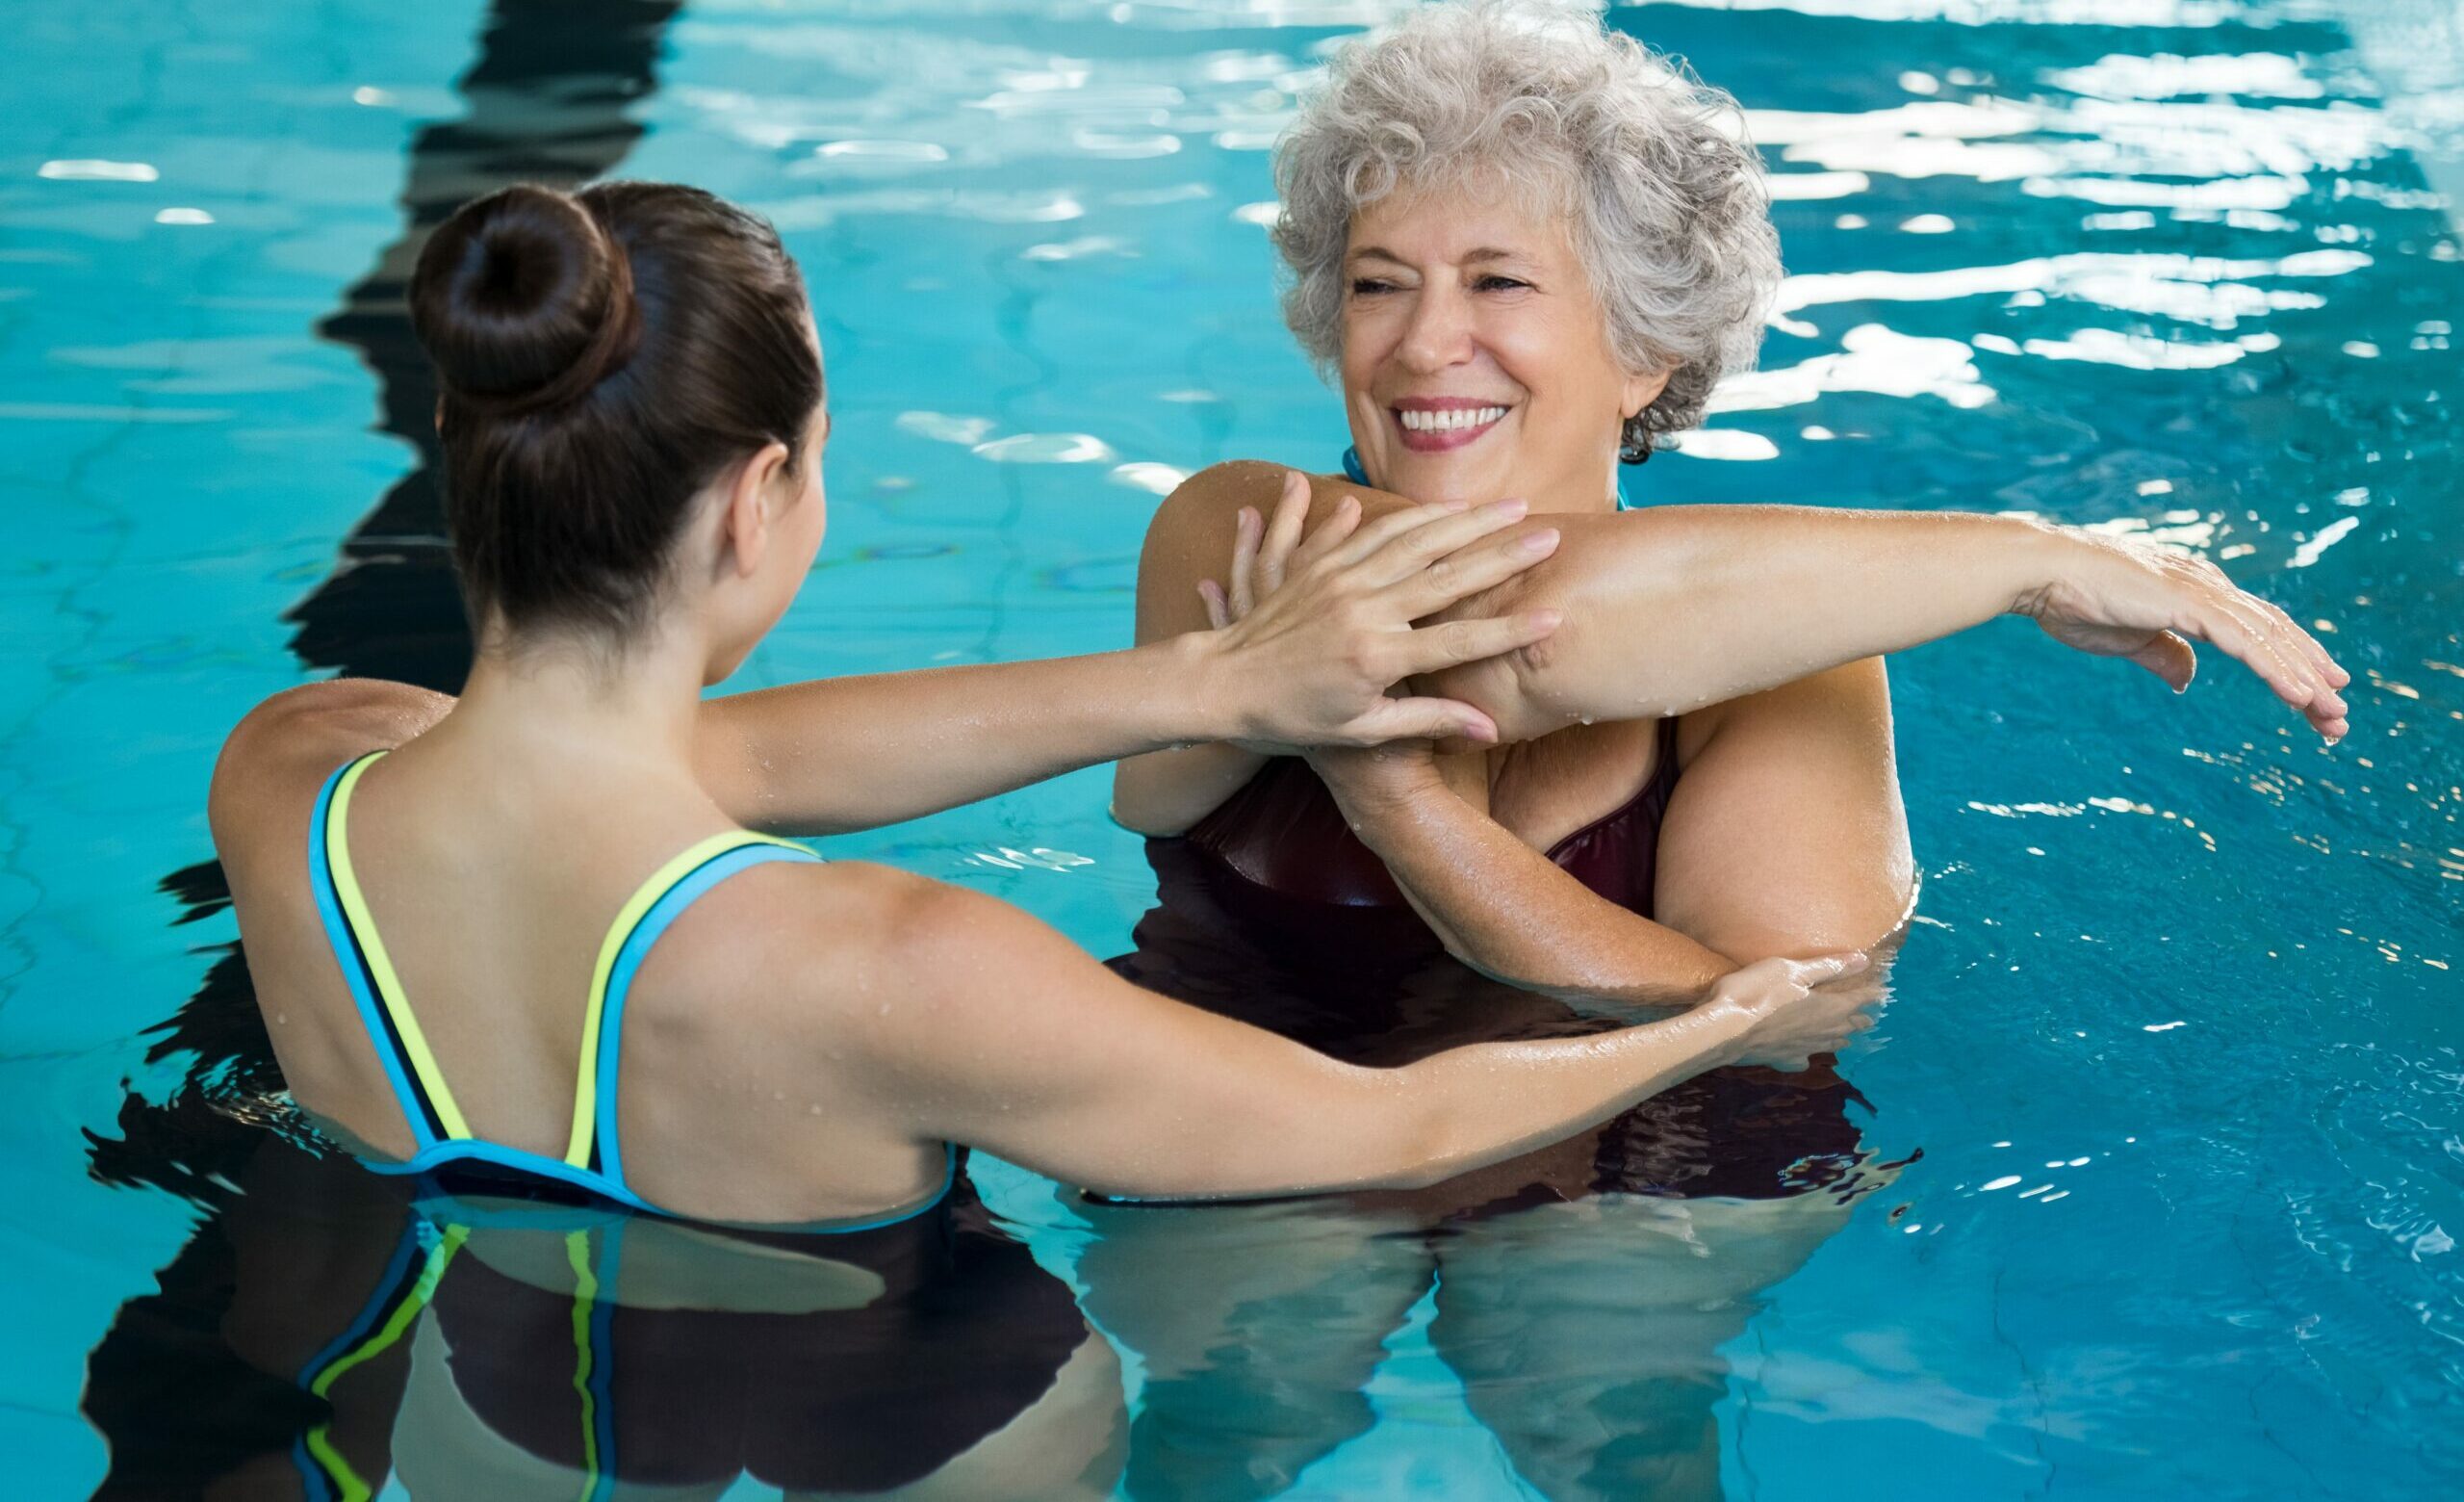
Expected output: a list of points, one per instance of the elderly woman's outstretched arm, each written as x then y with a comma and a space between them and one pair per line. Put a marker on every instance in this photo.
1678, 607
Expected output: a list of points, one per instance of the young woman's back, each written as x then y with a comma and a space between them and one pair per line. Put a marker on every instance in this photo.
492, 890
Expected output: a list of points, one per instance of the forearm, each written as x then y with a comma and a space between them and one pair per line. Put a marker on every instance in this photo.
1164, 792
1672, 610
853, 753
1508, 911
1490, 1101
1317, 1126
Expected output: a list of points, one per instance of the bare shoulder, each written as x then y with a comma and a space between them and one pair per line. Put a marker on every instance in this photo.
1193, 528
892, 968
291, 742
855, 927
1189, 537
1201, 510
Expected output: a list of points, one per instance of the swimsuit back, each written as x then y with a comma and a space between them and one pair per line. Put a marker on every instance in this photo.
593, 1159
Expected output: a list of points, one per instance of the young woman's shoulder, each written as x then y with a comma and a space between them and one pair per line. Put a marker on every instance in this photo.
288, 745
878, 959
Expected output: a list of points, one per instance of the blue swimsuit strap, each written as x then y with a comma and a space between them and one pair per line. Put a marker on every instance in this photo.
440, 1136
631, 951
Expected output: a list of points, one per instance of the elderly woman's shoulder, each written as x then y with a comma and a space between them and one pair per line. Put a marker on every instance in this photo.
1208, 500
1220, 492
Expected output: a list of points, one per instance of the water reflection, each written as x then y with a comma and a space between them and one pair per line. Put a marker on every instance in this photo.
1582, 1292
326, 1330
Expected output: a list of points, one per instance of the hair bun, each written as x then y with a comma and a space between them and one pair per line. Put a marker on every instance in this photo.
522, 301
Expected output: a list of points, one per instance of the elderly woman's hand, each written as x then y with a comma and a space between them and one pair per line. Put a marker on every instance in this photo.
1312, 634
2119, 598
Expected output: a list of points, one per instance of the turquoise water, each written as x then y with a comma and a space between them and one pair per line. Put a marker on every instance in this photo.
2171, 266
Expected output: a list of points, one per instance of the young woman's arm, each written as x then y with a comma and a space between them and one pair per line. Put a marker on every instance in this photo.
850, 753
1008, 1038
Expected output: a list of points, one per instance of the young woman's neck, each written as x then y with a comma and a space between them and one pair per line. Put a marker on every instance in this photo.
584, 703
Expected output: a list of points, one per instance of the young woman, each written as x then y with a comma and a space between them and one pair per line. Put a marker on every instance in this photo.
528, 933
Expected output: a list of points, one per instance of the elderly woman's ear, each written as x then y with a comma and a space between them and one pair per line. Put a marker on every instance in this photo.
1641, 391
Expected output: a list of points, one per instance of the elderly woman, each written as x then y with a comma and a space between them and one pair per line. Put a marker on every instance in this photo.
1527, 251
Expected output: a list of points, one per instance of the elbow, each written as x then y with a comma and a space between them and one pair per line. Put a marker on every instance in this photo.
1142, 803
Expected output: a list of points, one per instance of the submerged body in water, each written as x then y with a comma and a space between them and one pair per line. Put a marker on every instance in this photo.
471, 1345
1582, 1291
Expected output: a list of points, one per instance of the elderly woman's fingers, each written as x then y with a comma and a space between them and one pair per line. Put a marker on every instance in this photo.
1217, 615
2330, 672
2170, 657
1432, 649
2288, 645
1245, 561
2231, 622
1467, 571
1283, 532
1422, 719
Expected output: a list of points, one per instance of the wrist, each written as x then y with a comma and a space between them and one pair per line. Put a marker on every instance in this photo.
2035, 558
1725, 1023
1194, 689
1372, 784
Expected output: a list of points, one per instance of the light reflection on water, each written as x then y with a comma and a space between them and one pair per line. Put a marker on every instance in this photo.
2179, 269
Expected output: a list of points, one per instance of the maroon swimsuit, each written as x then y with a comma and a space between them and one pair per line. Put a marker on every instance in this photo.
1271, 911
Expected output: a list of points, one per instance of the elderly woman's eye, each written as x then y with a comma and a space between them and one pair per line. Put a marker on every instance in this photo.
1369, 285
1493, 282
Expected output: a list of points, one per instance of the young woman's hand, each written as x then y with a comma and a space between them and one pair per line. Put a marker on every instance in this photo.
1793, 1016
2118, 598
1310, 635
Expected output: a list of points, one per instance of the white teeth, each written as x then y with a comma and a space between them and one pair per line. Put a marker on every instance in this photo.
1421, 421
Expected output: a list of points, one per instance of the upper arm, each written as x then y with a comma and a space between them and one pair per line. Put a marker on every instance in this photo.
1010, 1038
1785, 835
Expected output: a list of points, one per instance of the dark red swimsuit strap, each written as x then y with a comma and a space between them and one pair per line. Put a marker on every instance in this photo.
1654, 794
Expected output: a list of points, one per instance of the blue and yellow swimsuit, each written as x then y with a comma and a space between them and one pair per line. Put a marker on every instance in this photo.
593, 1162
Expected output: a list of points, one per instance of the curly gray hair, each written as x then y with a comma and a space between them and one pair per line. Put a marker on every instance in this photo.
1667, 211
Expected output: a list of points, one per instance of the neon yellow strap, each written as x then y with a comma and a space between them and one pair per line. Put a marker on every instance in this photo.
320, 1440
381, 965
585, 1304
644, 898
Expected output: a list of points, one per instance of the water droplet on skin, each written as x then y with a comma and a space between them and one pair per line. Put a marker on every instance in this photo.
778, 1094
814, 1109
882, 1011
280, 1018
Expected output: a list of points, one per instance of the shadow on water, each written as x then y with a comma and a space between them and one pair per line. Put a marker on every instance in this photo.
545, 100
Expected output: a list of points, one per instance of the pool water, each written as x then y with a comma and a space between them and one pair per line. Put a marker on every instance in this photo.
2176, 1034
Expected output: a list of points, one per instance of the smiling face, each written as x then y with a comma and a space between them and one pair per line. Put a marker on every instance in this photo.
1476, 358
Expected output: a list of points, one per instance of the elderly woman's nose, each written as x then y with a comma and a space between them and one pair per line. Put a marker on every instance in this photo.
1440, 332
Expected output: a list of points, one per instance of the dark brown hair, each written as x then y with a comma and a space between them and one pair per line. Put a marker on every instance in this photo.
602, 356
